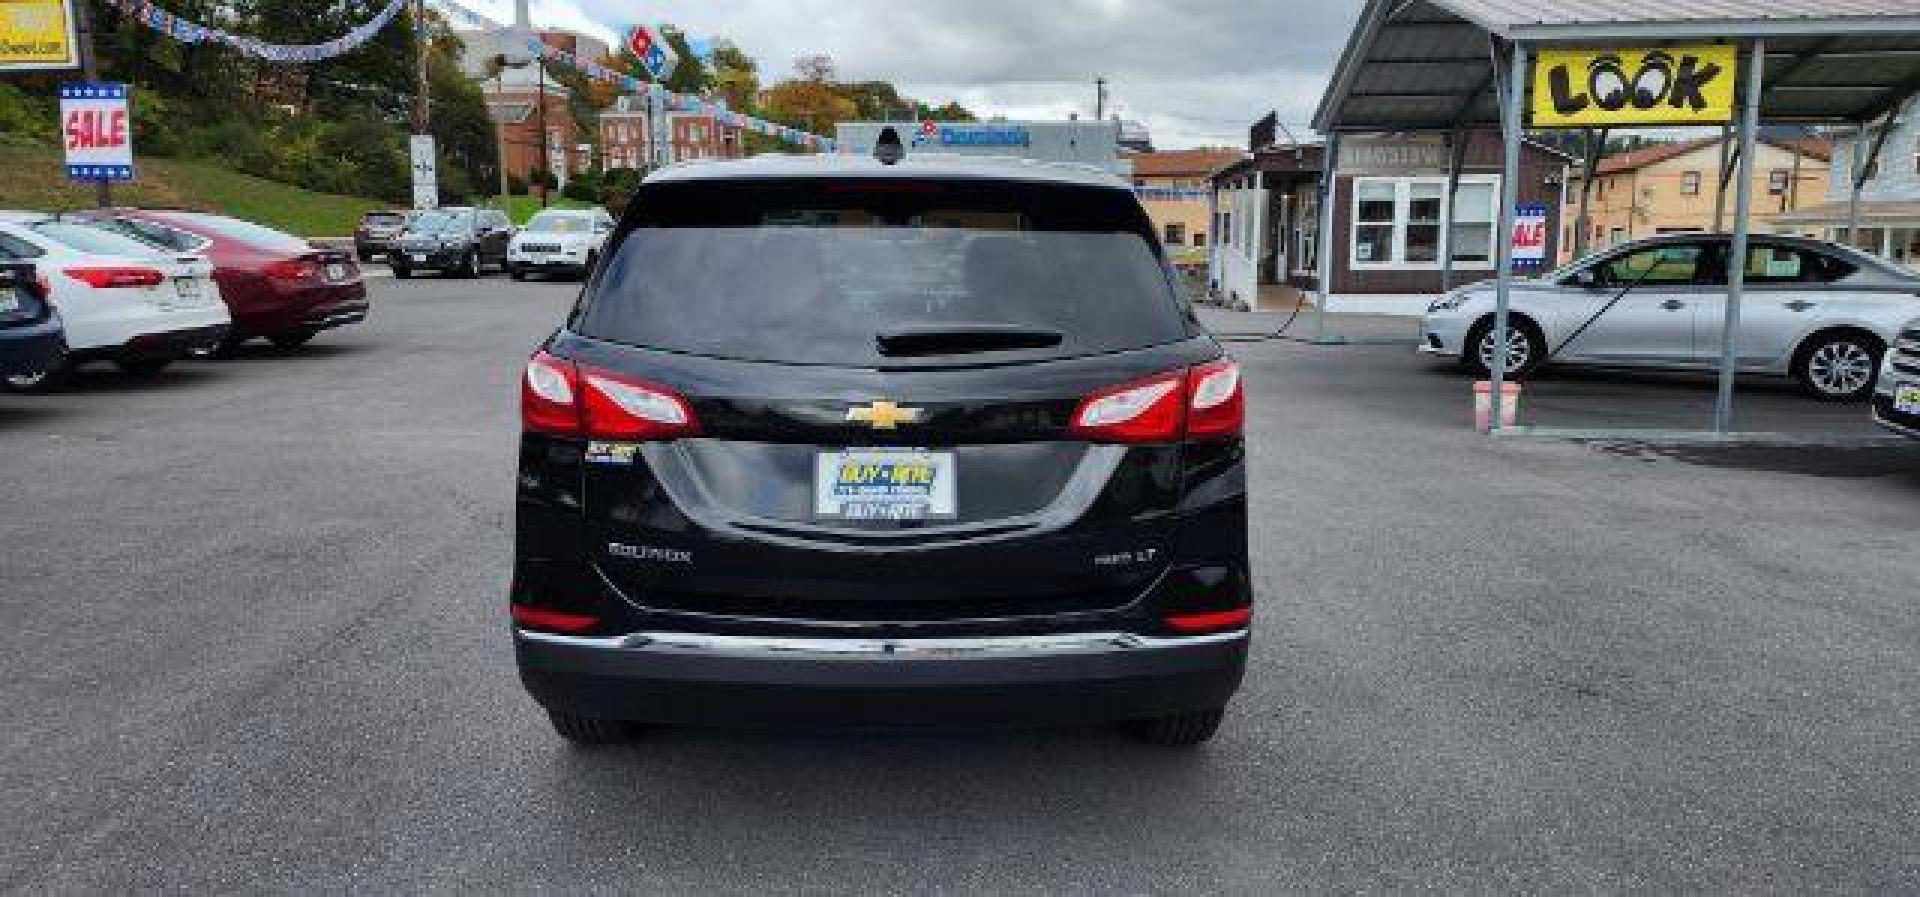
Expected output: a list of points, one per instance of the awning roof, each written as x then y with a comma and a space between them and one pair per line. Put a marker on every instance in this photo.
1420, 65
1872, 213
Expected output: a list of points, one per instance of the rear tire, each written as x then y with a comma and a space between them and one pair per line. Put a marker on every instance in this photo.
1179, 729
1840, 366
517, 273
143, 367
588, 731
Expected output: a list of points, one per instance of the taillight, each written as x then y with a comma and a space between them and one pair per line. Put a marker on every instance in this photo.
1205, 402
549, 396
545, 620
291, 269
560, 397
104, 278
632, 410
1216, 405
1210, 621
1150, 410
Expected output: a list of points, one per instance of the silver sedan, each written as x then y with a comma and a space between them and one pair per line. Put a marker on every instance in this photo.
1816, 311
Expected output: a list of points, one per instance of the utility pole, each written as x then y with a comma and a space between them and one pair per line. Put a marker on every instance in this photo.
546, 150
422, 117
500, 124
90, 69
1100, 99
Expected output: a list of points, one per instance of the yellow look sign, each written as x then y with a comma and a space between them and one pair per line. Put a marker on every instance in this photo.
1663, 86
37, 34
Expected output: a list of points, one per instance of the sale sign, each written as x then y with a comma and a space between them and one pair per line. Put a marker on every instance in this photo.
1530, 235
98, 131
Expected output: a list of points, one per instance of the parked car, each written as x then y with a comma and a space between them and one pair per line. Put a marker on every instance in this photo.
453, 240
119, 299
1817, 311
559, 241
30, 336
277, 286
376, 232
1896, 401
976, 463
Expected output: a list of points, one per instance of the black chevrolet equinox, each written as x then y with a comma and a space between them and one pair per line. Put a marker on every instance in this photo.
879, 443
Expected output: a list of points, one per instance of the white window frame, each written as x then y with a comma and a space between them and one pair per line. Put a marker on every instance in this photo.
1402, 208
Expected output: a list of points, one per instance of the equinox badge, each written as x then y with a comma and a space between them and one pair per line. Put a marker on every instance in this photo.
883, 415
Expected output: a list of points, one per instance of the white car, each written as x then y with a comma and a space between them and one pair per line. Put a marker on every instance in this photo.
559, 241
1819, 312
121, 300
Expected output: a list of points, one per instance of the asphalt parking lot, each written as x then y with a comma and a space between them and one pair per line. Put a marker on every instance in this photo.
256, 642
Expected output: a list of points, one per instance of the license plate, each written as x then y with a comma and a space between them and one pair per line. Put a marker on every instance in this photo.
336, 272
418, 259
1906, 398
884, 484
187, 288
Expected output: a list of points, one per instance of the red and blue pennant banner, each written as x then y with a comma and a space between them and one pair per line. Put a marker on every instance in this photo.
146, 13
676, 102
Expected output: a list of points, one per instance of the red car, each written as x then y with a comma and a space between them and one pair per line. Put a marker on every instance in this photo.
276, 285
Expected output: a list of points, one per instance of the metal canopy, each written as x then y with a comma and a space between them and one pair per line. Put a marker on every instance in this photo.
1427, 65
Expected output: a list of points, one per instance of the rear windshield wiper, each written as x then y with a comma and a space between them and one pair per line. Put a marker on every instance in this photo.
954, 339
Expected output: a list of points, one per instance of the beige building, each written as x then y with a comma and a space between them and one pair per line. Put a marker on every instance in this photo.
1173, 186
1672, 188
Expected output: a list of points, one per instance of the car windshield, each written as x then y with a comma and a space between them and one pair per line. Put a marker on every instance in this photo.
95, 240
818, 274
559, 223
441, 223
247, 232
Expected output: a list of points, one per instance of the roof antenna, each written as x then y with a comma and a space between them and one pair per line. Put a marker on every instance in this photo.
888, 148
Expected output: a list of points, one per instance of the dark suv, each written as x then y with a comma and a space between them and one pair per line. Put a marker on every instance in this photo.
840, 442
377, 231
453, 240
30, 335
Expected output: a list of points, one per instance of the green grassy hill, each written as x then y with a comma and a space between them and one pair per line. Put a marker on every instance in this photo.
36, 178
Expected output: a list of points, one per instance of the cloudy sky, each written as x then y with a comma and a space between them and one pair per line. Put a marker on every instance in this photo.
1197, 71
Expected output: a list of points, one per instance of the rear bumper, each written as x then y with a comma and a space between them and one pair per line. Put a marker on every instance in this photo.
691, 679
170, 344
1904, 424
303, 307
25, 350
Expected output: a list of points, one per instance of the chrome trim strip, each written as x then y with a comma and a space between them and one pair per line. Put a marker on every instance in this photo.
942, 648
1891, 426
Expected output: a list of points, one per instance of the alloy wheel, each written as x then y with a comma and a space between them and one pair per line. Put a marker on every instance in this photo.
1841, 368
1519, 350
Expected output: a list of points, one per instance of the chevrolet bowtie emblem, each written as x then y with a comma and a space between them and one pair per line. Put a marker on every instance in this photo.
883, 415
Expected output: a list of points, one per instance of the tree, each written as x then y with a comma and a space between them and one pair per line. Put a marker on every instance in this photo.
736, 76
808, 104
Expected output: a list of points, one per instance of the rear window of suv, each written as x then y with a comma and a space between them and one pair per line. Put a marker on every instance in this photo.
813, 271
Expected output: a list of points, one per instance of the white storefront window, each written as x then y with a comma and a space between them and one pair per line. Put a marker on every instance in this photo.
1400, 222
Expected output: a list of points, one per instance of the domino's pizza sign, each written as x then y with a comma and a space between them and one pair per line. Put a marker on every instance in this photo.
97, 128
